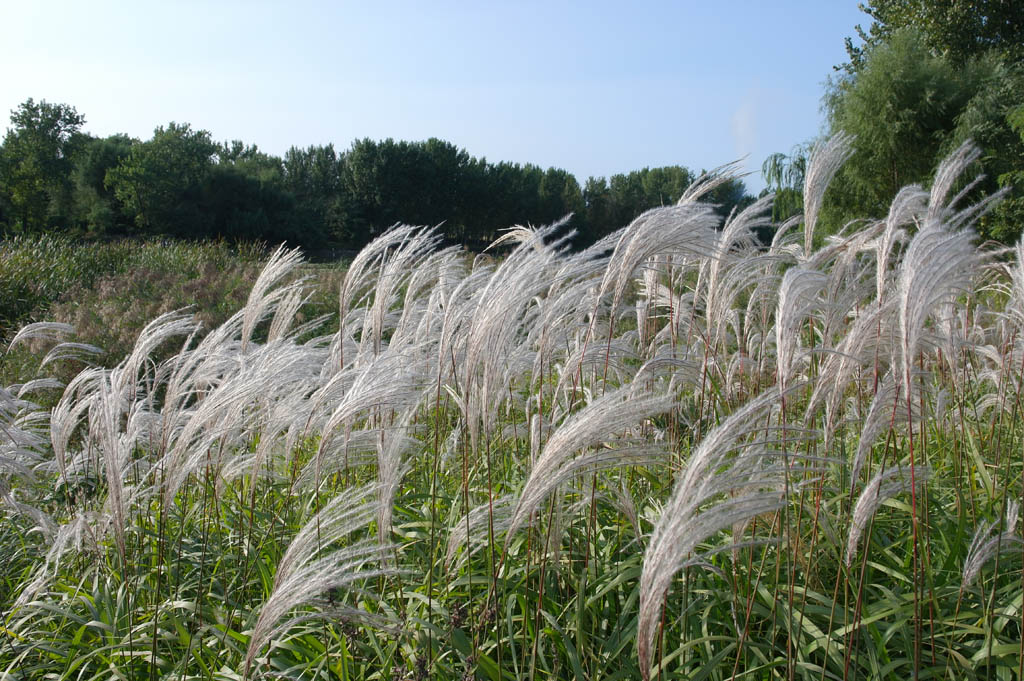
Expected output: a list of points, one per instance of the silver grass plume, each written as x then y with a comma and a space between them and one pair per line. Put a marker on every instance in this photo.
391, 382
262, 299
648, 282
943, 210
21, 442
613, 356
44, 524
688, 229
786, 241
397, 266
704, 501
754, 277
669, 363
358, 283
905, 209
77, 535
562, 311
291, 301
473, 530
937, 266
592, 426
884, 486
826, 159
941, 260
666, 296
984, 546
125, 376
418, 320
502, 313
1015, 304
450, 270
735, 247
798, 300
708, 181
518, 235
392, 467
866, 346
849, 284
69, 413
49, 331
883, 413
952, 167
280, 415
458, 308
224, 416
37, 384
317, 561
68, 350
104, 418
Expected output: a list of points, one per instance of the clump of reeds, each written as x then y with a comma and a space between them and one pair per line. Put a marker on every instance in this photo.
725, 457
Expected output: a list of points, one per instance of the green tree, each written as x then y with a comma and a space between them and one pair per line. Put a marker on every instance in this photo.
959, 29
784, 176
559, 195
238, 203
1007, 221
627, 197
36, 162
902, 106
915, 94
250, 161
161, 181
313, 176
97, 209
729, 196
632, 193
988, 121
597, 202
663, 186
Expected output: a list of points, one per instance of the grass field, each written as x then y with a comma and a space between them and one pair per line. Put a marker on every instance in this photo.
675, 455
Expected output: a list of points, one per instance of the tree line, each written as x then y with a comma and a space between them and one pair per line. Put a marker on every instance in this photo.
180, 183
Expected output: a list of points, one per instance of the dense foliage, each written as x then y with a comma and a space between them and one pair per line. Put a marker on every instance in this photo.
927, 76
38, 272
675, 455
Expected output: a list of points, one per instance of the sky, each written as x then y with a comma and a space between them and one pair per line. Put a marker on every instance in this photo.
594, 87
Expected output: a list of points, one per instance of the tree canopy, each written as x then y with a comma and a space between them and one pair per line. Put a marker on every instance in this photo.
958, 29
36, 161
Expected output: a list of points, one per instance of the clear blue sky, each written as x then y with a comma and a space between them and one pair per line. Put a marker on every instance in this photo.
594, 87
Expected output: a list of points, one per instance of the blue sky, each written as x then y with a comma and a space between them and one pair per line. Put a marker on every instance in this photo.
594, 87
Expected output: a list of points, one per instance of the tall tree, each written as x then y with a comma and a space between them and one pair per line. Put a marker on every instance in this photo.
36, 162
313, 177
784, 176
97, 209
560, 195
902, 106
930, 75
958, 29
597, 202
639, 190
729, 196
161, 180
250, 161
